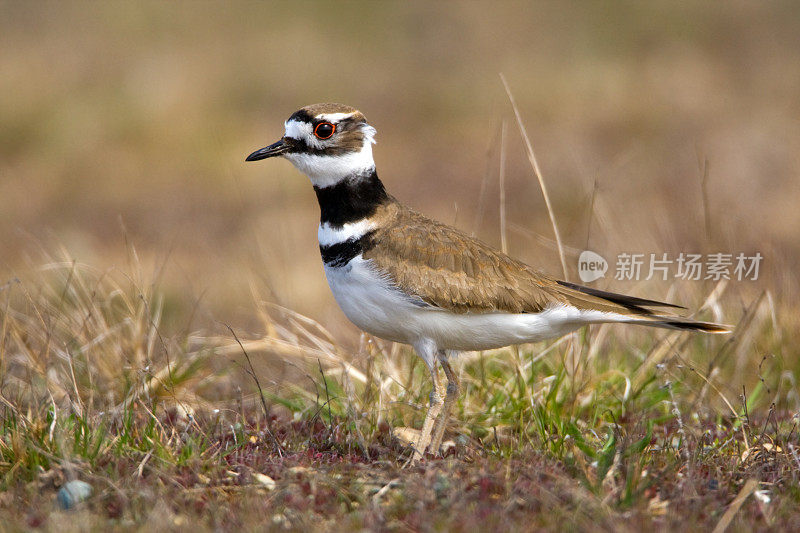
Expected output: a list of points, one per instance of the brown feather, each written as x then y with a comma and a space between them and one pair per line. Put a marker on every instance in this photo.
448, 269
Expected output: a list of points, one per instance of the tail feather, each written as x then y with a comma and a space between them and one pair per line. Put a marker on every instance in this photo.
679, 323
615, 307
632, 303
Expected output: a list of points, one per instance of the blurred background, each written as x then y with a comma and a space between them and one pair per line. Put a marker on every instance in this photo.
659, 127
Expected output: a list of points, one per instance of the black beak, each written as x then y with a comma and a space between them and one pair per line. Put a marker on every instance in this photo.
270, 151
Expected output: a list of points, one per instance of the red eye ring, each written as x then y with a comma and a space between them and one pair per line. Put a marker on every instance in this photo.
326, 132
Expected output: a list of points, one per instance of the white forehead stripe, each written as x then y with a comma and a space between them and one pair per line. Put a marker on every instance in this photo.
329, 235
335, 117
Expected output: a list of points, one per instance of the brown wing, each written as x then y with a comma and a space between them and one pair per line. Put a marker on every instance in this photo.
451, 270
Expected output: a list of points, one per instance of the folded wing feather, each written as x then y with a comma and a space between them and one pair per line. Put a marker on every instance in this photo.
448, 269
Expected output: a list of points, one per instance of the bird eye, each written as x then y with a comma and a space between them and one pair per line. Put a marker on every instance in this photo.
324, 130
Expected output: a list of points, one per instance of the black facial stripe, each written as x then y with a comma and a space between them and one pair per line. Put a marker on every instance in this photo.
299, 146
351, 199
339, 254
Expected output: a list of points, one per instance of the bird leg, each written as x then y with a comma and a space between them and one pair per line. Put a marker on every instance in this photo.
450, 398
436, 402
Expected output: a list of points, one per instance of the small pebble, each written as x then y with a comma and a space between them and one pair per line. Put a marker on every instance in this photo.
265, 480
73, 493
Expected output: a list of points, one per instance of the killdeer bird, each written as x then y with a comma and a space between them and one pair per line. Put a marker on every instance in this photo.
403, 277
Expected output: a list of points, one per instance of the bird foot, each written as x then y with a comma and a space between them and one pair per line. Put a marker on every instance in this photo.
408, 437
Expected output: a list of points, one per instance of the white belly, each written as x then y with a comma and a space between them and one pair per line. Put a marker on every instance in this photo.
375, 306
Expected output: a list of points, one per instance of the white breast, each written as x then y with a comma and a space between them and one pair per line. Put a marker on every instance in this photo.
371, 302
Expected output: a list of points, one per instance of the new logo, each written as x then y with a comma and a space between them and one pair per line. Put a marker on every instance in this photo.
591, 266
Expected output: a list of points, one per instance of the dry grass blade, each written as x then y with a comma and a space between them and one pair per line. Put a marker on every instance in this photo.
503, 236
287, 349
749, 487
251, 371
484, 182
535, 165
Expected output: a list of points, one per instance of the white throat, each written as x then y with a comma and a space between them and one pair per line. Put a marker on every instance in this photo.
328, 170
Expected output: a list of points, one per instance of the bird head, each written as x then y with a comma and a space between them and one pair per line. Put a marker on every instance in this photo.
327, 142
